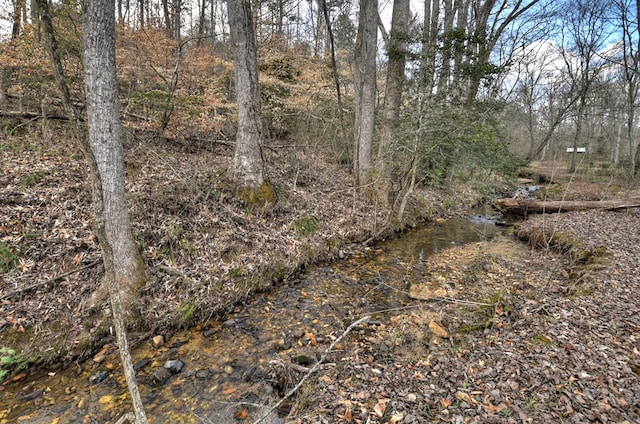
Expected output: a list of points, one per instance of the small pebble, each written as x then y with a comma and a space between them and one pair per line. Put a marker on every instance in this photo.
158, 341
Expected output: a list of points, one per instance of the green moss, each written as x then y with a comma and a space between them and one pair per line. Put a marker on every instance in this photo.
262, 196
8, 258
186, 311
306, 226
31, 179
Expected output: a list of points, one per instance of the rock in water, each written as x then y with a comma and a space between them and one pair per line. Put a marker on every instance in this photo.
160, 376
174, 365
98, 377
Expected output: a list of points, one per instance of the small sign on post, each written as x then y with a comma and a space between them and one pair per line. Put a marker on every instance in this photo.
577, 150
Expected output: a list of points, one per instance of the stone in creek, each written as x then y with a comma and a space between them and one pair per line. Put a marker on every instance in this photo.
229, 323
141, 364
32, 395
203, 374
160, 376
208, 334
158, 341
174, 365
98, 376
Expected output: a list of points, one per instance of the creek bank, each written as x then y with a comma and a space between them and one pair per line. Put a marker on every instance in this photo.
204, 251
260, 348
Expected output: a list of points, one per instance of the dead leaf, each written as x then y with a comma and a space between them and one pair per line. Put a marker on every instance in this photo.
396, 418
380, 407
241, 414
491, 408
464, 397
229, 390
438, 330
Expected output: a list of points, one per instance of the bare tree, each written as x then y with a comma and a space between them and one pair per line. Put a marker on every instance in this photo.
630, 59
364, 75
396, 61
584, 35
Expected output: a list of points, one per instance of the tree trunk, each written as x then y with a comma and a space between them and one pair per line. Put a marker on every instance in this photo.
364, 74
3, 86
444, 76
124, 269
141, 10
429, 45
334, 64
393, 92
18, 8
177, 19
247, 169
167, 17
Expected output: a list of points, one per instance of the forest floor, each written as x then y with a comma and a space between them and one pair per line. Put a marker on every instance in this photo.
544, 332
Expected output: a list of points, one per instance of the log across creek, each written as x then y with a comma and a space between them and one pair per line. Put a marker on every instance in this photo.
525, 207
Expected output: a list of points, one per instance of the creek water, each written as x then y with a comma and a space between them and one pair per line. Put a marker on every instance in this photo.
220, 378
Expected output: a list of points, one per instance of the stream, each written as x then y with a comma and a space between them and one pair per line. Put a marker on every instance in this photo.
215, 368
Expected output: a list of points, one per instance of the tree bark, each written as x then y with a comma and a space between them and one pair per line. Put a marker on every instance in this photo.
4, 99
247, 169
364, 74
393, 92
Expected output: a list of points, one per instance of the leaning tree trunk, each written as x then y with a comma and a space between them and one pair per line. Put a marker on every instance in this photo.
124, 269
247, 169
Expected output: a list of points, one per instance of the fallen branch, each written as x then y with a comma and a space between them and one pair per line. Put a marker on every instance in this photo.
52, 280
127, 417
31, 115
313, 369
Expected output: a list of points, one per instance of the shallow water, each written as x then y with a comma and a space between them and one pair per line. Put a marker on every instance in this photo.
221, 358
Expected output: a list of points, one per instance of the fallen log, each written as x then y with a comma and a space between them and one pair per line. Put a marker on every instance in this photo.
526, 207
31, 115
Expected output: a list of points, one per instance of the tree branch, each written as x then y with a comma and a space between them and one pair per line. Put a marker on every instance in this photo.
313, 369
52, 280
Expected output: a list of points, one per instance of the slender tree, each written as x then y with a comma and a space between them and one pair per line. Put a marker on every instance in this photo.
364, 74
334, 64
630, 71
584, 35
396, 61
3, 86
124, 269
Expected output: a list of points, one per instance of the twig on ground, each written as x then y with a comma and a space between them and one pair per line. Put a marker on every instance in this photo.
313, 369
52, 280
462, 301
127, 417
